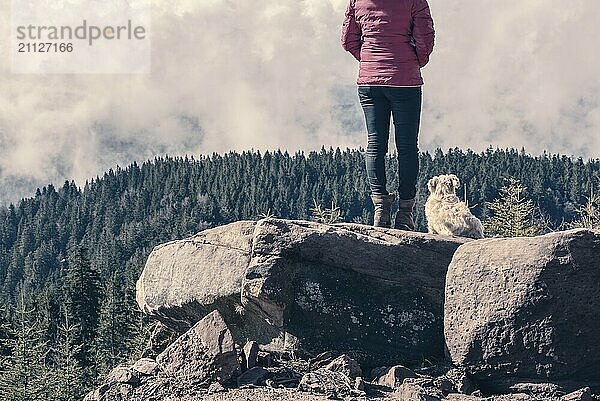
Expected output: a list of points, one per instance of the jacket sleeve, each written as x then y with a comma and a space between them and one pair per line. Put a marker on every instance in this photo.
351, 33
423, 31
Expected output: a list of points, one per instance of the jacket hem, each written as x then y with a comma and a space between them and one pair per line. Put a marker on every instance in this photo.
395, 86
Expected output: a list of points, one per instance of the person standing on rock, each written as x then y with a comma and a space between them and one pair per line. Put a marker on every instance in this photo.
392, 40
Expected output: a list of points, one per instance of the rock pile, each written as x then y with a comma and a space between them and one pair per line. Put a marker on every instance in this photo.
205, 361
294, 310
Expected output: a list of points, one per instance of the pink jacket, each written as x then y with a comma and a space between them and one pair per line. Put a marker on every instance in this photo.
392, 39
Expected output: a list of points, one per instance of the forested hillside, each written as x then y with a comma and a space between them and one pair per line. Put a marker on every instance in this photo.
69, 257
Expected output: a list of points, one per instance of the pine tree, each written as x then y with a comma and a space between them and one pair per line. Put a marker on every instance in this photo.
326, 215
114, 325
82, 304
68, 371
589, 214
25, 375
4, 335
512, 214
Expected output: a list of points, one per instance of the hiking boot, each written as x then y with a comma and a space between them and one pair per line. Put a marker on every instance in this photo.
404, 216
383, 210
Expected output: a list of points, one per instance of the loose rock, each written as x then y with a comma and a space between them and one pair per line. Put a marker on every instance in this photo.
584, 394
216, 388
455, 381
359, 384
346, 365
250, 354
264, 359
146, 366
543, 389
413, 392
324, 381
394, 376
205, 352
122, 374
255, 375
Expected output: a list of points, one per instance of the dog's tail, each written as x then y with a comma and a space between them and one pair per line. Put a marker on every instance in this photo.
475, 228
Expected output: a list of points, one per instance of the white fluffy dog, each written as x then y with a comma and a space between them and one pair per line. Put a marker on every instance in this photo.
445, 213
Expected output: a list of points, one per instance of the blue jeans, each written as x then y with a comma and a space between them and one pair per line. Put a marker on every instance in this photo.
404, 103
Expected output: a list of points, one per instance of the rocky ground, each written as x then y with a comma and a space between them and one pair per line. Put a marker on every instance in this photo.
170, 389
292, 395
205, 364
269, 394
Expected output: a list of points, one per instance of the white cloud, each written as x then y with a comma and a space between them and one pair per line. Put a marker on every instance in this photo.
239, 74
514, 74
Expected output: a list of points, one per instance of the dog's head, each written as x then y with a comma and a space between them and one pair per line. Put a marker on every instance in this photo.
443, 185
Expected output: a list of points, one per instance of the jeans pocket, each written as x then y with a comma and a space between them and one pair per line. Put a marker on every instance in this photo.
364, 91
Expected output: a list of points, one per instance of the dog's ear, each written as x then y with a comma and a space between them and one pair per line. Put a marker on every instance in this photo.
432, 183
455, 181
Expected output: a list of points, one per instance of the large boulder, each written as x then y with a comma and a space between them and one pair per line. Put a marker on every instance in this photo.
526, 309
186, 279
374, 294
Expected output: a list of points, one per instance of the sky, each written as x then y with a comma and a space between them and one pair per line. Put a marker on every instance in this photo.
240, 74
